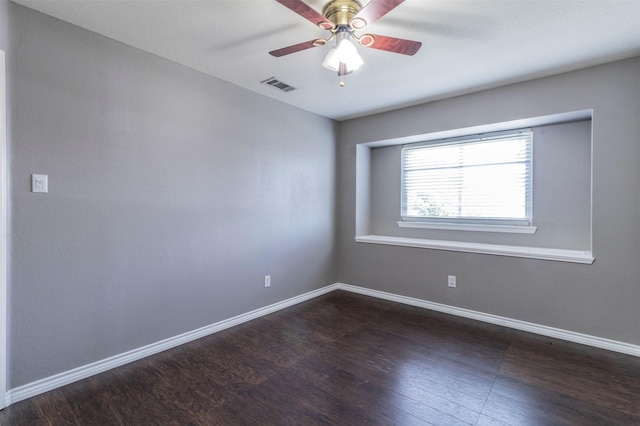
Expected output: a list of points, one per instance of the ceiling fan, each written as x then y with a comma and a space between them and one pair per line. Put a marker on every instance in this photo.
343, 18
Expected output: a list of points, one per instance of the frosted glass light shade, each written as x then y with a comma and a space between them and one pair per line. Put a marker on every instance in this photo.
344, 52
331, 61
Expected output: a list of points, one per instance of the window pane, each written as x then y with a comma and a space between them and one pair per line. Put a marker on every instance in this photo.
487, 179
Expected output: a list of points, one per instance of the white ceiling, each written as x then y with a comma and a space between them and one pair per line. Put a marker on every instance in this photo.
468, 45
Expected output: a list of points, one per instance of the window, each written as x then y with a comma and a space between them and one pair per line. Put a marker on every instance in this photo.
484, 180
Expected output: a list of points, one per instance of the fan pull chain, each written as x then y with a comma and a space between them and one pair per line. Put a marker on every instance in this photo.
342, 71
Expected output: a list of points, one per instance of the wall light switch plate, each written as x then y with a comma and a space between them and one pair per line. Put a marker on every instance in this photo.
451, 281
39, 183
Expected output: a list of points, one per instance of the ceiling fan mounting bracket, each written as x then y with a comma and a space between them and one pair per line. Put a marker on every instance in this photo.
365, 40
322, 41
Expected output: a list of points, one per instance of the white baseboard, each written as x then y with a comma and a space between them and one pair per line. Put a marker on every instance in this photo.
49, 383
585, 339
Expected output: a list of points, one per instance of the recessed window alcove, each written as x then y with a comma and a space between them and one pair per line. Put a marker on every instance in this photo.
562, 176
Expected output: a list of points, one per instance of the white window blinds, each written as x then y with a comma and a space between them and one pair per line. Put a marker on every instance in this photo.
481, 179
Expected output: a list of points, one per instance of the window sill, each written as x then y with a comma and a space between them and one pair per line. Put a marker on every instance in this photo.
512, 229
560, 255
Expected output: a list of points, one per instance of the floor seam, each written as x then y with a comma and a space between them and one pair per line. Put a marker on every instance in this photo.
495, 379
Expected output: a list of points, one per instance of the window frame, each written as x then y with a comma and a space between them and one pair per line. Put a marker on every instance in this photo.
488, 224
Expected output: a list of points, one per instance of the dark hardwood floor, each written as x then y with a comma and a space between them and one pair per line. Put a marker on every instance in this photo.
346, 359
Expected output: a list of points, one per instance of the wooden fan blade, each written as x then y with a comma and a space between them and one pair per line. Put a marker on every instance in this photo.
293, 48
392, 44
304, 10
376, 9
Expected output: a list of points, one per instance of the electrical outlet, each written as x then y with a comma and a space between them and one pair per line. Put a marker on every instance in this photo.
267, 280
451, 281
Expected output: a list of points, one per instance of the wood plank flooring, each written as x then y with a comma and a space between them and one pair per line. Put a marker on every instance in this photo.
346, 359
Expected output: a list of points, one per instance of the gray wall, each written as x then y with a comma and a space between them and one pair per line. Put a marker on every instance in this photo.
171, 195
4, 5
602, 299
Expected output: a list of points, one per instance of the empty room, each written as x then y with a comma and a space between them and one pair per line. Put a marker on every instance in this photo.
339, 212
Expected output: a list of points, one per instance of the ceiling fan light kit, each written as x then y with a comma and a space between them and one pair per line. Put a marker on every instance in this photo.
343, 18
343, 52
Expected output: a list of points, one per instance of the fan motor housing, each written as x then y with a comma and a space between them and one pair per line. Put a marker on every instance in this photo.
340, 12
